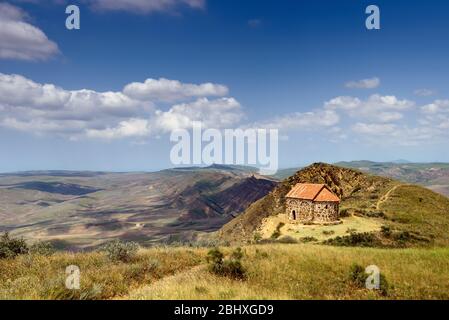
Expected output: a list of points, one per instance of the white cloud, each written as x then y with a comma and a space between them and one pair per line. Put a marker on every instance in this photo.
172, 90
45, 108
370, 83
146, 6
219, 113
375, 108
424, 92
437, 106
18, 94
125, 129
21, 40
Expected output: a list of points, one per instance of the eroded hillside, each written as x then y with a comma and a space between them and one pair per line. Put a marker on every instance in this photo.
82, 210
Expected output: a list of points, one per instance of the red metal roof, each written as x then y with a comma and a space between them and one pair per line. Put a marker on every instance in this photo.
314, 192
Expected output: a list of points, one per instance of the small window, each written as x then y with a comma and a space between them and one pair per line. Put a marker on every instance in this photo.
326, 206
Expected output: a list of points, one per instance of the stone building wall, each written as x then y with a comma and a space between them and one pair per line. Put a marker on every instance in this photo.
306, 211
302, 209
325, 211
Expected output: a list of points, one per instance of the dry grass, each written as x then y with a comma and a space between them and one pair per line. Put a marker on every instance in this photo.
274, 271
40, 277
312, 272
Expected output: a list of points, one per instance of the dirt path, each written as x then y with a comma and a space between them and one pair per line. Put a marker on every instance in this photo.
385, 197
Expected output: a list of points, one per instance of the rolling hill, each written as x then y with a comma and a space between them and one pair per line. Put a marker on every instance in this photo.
434, 176
406, 214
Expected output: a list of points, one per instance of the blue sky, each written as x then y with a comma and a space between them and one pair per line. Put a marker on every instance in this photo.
334, 89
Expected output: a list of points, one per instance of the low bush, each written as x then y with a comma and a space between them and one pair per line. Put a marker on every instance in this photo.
344, 213
257, 237
308, 239
121, 251
11, 248
365, 239
357, 275
287, 240
42, 248
277, 233
230, 267
385, 230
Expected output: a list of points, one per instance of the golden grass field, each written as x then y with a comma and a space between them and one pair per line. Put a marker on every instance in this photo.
274, 271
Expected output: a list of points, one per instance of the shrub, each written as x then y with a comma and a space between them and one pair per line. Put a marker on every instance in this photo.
231, 267
287, 240
11, 248
385, 230
344, 213
308, 239
357, 275
257, 237
374, 214
121, 251
277, 233
365, 239
328, 232
42, 248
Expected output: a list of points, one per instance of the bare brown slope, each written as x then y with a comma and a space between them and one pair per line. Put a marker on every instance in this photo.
350, 185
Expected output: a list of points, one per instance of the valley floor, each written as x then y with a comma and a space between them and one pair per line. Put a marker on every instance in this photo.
274, 271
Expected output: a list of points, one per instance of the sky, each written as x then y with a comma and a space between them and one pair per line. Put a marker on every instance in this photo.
107, 96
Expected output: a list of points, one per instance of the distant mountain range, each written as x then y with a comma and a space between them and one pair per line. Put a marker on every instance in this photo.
434, 176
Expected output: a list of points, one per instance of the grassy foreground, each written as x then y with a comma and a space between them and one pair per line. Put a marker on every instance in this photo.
274, 271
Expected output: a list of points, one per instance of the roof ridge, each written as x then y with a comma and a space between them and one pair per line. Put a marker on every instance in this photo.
318, 193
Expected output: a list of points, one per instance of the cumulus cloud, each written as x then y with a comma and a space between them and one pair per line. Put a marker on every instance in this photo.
370, 83
125, 129
437, 106
21, 40
219, 113
375, 108
145, 6
172, 90
45, 108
